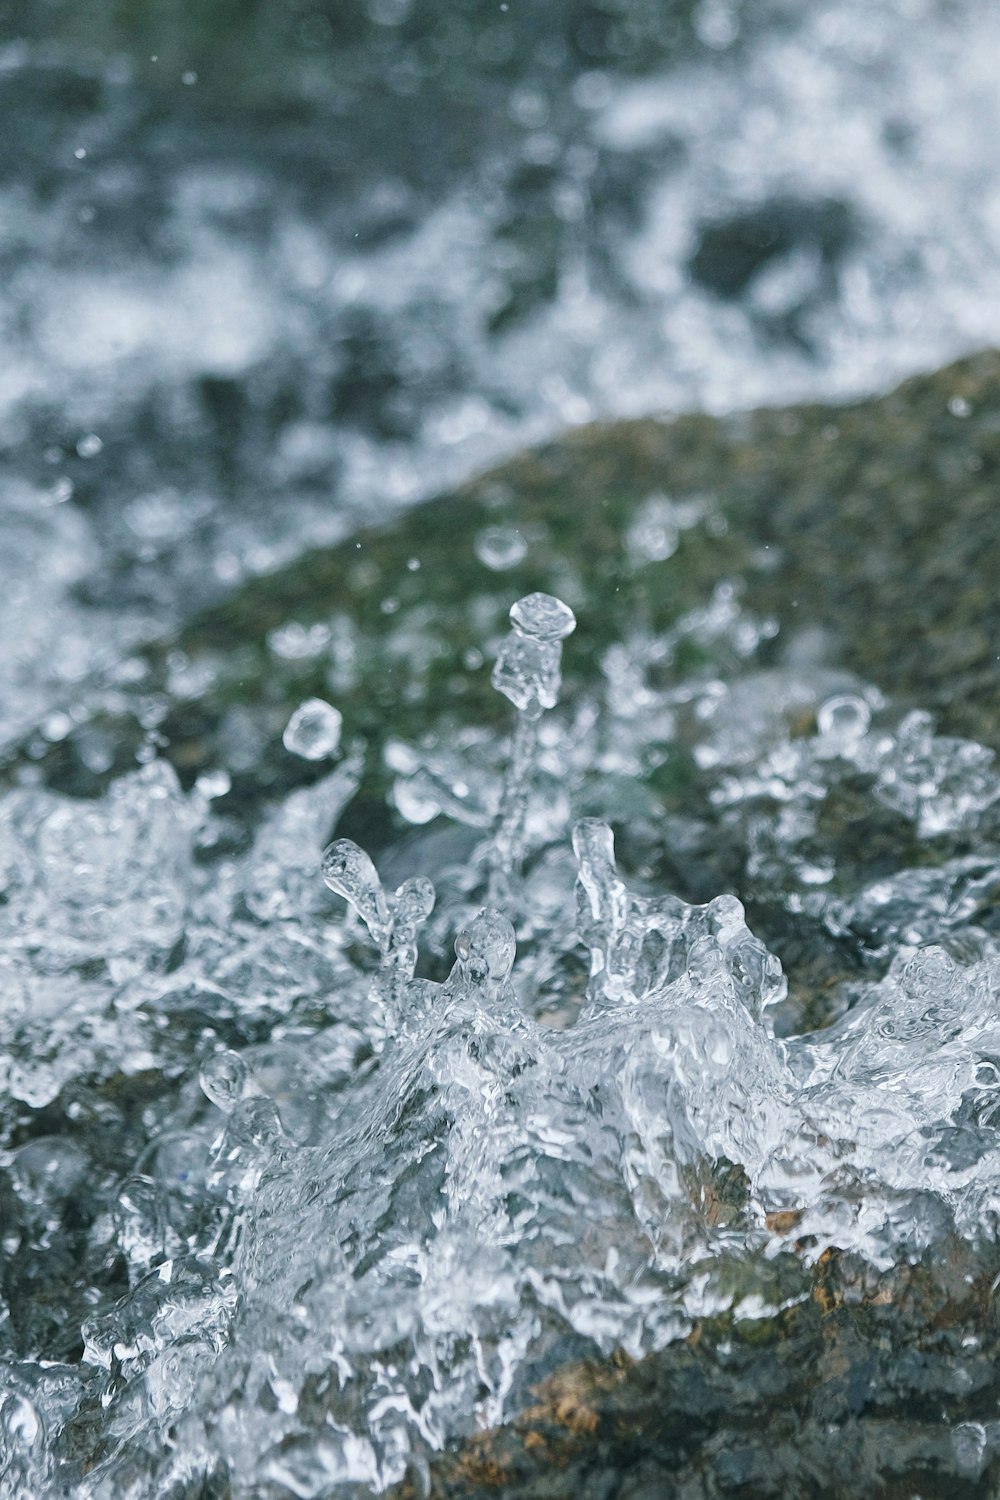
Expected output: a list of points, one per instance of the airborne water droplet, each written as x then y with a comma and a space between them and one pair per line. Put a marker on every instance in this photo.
313, 731
542, 617
500, 548
844, 719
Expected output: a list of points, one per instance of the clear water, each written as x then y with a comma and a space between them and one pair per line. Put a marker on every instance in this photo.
318, 1217
368, 1204
226, 343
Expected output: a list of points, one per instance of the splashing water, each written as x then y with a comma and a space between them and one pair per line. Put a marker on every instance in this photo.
365, 1209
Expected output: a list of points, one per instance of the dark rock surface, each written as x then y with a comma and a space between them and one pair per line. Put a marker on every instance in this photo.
864, 1385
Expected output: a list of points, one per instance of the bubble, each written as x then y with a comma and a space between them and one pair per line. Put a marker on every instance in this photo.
223, 1078
844, 719
654, 533
313, 731
500, 548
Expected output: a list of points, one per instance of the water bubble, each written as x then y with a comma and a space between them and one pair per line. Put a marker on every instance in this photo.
843, 719
223, 1078
654, 533
313, 731
500, 548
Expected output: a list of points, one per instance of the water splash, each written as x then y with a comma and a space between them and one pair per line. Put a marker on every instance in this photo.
527, 671
365, 1207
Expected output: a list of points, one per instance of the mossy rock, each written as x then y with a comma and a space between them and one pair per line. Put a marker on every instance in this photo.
875, 522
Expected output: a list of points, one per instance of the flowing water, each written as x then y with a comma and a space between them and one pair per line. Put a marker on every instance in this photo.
294, 1193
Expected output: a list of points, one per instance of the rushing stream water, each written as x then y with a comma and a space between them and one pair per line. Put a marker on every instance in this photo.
293, 1194
359, 1236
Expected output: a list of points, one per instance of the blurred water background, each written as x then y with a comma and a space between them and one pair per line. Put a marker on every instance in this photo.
272, 267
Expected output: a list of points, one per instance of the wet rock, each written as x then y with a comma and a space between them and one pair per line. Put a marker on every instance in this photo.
868, 528
865, 532
850, 1388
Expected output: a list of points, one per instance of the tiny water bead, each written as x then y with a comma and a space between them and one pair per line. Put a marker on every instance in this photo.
542, 617
501, 547
654, 534
843, 720
314, 730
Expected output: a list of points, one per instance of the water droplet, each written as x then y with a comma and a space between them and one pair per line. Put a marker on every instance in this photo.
654, 534
542, 617
223, 1078
313, 731
500, 548
348, 871
527, 669
843, 720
